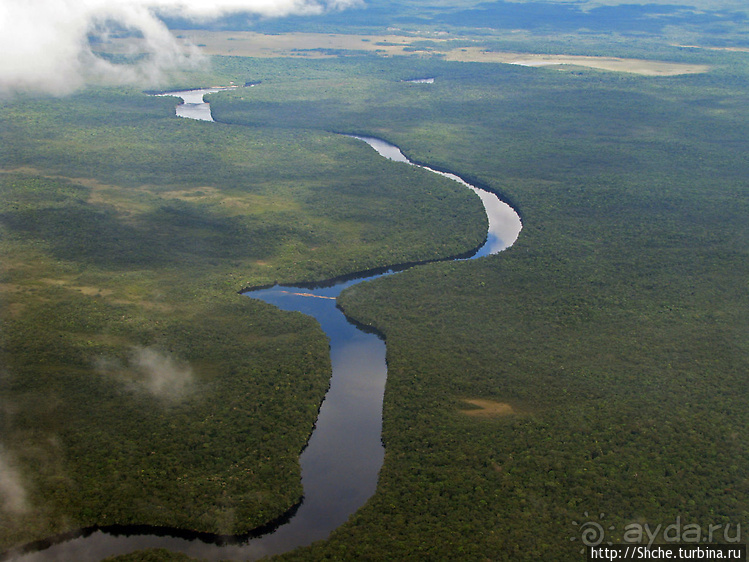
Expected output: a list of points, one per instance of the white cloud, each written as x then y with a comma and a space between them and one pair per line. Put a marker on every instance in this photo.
12, 491
150, 370
45, 47
162, 375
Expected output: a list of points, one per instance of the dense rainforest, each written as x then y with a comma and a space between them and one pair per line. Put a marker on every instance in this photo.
595, 371
614, 329
129, 358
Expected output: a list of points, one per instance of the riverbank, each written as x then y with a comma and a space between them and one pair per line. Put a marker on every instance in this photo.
154, 229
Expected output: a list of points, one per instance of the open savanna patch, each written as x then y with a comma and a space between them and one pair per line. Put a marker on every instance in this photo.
327, 45
613, 64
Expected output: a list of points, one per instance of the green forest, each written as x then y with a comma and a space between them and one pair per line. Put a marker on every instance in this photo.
127, 234
137, 385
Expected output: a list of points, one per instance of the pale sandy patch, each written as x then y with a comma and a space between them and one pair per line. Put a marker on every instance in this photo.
614, 64
324, 45
488, 408
729, 49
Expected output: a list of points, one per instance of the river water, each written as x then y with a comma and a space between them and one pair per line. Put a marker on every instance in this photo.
193, 105
341, 462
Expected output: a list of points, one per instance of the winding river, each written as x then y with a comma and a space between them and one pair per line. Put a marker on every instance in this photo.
341, 462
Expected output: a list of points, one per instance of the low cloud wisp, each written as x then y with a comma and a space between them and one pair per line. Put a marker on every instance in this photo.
12, 491
151, 370
162, 375
46, 44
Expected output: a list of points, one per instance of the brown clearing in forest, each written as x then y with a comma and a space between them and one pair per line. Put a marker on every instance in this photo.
488, 408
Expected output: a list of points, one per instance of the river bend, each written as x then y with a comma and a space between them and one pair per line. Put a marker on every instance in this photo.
341, 462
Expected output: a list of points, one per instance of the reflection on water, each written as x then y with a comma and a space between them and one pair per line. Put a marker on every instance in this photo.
341, 462
194, 107
344, 454
504, 222
340, 465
